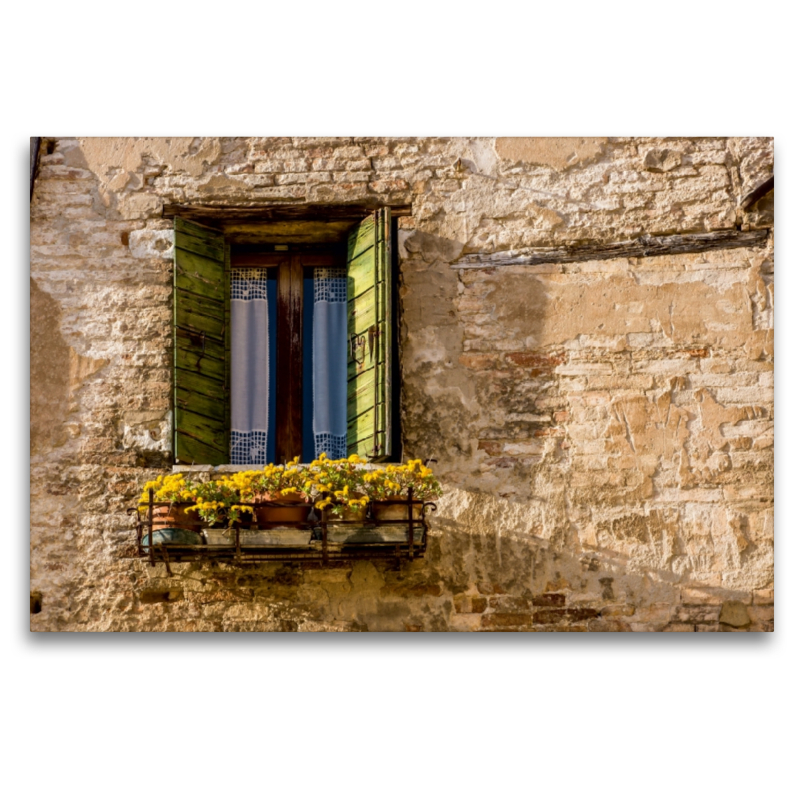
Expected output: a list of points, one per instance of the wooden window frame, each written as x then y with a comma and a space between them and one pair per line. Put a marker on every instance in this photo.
291, 268
291, 261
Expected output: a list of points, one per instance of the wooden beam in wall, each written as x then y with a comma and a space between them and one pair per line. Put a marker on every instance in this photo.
754, 195
637, 248
288, 212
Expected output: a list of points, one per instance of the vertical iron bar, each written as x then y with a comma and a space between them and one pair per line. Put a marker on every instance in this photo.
325, 535
150, 526
410, 523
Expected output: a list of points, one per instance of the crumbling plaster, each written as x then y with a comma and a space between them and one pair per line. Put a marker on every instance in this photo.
603, 428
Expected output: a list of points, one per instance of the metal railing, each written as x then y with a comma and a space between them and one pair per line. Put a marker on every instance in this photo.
331, 540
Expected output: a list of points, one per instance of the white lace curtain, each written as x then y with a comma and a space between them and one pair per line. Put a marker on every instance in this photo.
250, 364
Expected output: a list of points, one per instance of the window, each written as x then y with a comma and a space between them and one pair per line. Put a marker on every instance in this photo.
284, 350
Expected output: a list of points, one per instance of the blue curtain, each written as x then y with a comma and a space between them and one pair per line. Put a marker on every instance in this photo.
330, 362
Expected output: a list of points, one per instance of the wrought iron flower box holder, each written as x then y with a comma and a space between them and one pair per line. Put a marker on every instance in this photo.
319, 550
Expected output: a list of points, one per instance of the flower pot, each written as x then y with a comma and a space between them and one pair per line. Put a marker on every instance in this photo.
175, 515
291, 509
371, 534
274, 537
397, 511
218, 537
349, 515
171, 536
359, 515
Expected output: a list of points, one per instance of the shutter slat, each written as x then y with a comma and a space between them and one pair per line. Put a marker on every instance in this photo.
361, 272
369, 310
204, 385
362, 312
201, 401
195, 238
200, 275
193, 353
361, 237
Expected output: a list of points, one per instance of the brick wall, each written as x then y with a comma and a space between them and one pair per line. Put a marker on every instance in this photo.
603, 427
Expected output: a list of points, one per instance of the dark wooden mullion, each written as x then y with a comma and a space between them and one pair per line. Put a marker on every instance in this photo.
289, 409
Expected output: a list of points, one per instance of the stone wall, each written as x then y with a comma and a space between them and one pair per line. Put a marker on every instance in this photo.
603, 427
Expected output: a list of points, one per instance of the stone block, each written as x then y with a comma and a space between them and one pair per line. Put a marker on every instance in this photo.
734, 613
761, 614
763, 597
465, 622
695, 614
707, 595
618, 610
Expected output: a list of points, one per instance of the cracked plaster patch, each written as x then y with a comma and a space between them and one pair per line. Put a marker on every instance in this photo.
117, 162
152, 244
559, 153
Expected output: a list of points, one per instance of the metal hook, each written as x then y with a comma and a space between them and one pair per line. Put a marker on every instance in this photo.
355, 342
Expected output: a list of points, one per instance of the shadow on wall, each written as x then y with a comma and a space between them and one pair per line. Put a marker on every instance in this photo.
504, 574
50, 358
460, 383
490, 566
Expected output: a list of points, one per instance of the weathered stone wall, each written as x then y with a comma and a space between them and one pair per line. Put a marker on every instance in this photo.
603, 427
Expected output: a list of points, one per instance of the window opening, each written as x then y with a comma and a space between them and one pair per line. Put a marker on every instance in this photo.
308, 366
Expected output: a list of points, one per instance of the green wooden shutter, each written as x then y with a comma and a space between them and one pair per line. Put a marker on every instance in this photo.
202, 410
370, 332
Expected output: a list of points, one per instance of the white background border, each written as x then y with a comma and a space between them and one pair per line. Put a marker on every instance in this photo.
380, 715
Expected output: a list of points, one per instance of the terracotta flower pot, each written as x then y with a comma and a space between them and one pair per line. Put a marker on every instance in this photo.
350, 515
359, 515
289, 510
175, 515
396, 512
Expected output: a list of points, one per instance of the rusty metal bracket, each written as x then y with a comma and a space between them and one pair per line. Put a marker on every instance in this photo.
165, 557
355, 342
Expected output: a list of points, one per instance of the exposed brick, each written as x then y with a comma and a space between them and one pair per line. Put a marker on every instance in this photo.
534, 360
549, 599
609, 625
490, 447
509, 603
479, 604
505, 620
418, 590
556, 615
618, 610
469, 604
